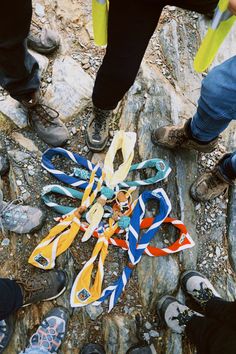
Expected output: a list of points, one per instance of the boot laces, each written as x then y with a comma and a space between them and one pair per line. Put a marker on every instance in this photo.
100, 122
10, 206
204, 294
177, 135
183, 316
32, 285
46, 114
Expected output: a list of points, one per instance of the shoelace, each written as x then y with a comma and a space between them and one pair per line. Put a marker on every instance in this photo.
10, 206
43, 112
204, 294
137, 246
101, 122
183, 317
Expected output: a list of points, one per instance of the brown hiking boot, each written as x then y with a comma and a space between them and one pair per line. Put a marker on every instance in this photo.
45, 121
211, 184
97, 133
43, 287
179, 136
42, 39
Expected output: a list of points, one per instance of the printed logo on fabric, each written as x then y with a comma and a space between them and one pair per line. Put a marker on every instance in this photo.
83, 295
41, 260
182, 238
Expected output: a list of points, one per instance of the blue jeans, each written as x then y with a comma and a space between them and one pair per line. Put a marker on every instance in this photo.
217, 107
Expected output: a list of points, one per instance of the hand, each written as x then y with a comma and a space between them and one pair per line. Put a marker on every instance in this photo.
232, 6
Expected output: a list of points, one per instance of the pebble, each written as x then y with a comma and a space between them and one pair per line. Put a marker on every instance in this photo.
211, 255
73, 130
154, 334
31, 172
217, 251
94, 311
146, 337
5, 242
148, 325
39, 10
18, 182
86, 149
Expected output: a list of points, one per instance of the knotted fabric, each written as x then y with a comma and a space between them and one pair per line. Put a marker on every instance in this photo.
137, 246
62, 235
126, 142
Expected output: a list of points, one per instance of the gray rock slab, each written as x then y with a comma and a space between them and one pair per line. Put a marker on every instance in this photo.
71, 88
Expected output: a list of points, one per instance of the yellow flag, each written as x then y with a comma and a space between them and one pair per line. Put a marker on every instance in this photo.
220, 27
100, 21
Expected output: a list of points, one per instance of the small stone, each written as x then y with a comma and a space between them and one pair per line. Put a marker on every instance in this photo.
217, 252
19, 183
86, 149
148, 325
73, 130
146, 337
197, 207
39, 10
31, 172
211, 255
126, 309
5, 242
94, 311
154, 334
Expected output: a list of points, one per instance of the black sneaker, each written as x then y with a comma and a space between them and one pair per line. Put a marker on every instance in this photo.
198, 287
92, 348
97, 133
50, 333
43, 287
174, 314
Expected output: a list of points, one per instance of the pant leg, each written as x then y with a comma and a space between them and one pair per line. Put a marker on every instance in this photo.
221, 310
10, 297
210, 336
217, 104
130, 27
18, 69
201, 6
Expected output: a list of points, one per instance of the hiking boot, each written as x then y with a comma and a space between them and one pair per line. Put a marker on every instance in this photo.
4, 163
97, 133
43, 286
174, 314
211, 184
45, 121
198, 287
179, 136
42, 40
50, 333
18, 218
92, 348
6, 330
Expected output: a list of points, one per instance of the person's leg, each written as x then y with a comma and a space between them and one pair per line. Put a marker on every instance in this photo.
210, 336
11, 297
18, 69
201, 6
221, 310
217, 105
129, 32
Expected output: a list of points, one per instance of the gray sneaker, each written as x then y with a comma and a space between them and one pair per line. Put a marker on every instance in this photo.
198, 287
6, 331
97, 133
178, 136
211, 184
174, 314
42, 40
18, 218
43, 286
45, 121
51, 332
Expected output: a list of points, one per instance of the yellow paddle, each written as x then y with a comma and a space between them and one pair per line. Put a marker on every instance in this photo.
220, 27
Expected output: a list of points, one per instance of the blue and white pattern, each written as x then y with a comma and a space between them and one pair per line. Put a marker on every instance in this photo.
136, 246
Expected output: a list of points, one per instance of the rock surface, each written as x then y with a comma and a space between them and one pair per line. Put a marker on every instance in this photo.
165, 92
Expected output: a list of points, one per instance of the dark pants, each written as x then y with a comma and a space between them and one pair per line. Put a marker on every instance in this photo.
215, 333
10, 297
18, 69
131, 25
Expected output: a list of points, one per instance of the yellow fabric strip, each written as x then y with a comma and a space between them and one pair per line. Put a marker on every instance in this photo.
57, 241
100, 21
214, 38
126, 142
